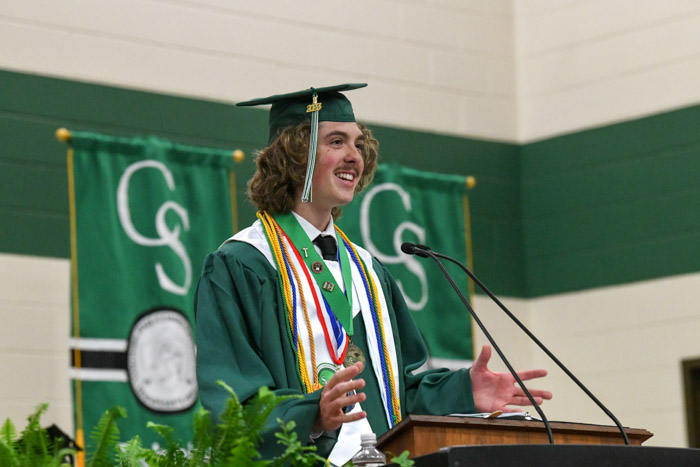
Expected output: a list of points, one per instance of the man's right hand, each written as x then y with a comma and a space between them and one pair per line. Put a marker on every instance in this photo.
335, 397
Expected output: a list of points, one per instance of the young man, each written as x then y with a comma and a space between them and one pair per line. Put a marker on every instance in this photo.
270, 310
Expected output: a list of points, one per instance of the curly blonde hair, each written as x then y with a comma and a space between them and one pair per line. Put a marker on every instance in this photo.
281, 168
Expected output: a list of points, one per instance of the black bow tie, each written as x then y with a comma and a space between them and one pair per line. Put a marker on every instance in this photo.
326, 243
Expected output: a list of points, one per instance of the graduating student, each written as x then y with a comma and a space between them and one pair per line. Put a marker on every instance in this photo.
291, 303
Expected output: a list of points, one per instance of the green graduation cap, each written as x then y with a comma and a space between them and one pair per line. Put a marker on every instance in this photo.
325, 104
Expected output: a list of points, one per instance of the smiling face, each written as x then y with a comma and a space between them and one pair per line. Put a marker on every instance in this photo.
339, 165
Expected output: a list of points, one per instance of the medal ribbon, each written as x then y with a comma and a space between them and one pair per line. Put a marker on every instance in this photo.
337, 351
340, 303
337, 341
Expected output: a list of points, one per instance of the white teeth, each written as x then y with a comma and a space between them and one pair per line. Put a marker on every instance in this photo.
346, 176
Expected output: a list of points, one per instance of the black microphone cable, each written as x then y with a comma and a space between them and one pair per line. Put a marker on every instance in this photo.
424, 248
425, 252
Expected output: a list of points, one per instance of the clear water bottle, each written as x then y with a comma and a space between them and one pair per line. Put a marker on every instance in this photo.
369, 455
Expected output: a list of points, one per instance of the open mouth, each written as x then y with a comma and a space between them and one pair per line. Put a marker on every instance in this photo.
345, 176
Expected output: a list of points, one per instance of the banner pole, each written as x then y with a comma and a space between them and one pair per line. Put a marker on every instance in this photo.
64, 135
238, 157
470, 181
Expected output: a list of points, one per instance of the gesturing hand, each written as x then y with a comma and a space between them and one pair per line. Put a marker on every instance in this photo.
496, 391
335, 396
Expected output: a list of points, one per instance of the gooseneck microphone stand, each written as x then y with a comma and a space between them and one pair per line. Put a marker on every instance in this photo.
427, 253
418, 249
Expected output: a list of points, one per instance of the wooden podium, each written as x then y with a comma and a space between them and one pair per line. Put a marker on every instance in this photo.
426, 434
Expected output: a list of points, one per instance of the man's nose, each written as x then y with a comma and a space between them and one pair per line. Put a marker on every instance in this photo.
352, 153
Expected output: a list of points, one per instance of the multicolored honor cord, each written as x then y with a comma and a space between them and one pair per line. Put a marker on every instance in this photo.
336, 340
393, 404
289, 283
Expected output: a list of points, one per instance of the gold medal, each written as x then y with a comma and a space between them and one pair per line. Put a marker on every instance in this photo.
353, 355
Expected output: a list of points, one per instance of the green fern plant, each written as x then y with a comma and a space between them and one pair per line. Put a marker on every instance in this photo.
106, 436
33, 447
130, 453
231, 442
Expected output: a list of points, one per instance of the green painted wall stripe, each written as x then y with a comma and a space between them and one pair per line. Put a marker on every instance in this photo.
604, 206
612, 205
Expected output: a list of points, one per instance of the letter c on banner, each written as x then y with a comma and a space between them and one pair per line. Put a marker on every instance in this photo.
166, 237
409, 261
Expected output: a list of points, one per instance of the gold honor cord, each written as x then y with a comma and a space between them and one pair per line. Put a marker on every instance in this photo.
279, 251
64, 135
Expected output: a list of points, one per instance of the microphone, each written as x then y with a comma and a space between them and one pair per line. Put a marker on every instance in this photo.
414, 249
427, 251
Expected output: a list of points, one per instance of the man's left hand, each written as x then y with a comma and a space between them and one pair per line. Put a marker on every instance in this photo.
497, 391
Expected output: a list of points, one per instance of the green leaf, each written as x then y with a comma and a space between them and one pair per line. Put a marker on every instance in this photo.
8, 454
34, 448
230, 427
203, 438
175, 452
295, 453
403, 460
60, 455
244, 453
105, 435
8, 431
131, 453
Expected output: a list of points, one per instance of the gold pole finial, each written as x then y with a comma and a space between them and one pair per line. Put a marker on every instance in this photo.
63, 135
471, 182
238, 156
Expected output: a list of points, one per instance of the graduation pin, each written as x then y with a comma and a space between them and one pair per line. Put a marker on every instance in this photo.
317, 267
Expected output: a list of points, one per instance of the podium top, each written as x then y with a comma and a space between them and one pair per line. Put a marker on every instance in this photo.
425, 434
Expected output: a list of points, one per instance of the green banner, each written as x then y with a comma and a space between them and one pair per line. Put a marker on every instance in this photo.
144, 214
406, 205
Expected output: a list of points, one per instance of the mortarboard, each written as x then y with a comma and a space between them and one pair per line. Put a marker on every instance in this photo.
325, 104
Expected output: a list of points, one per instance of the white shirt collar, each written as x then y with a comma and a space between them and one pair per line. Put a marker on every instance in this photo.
312, 231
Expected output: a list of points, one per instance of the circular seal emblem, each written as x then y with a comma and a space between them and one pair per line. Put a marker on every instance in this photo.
317, 267
161, 361
326, 372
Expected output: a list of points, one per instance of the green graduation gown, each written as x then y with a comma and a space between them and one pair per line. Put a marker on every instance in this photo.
242, 339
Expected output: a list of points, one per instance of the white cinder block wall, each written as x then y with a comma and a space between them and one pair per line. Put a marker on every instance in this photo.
587, 63
497, 69
34, 327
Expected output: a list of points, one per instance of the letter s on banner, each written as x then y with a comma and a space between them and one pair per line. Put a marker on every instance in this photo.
166, 237
409, 262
